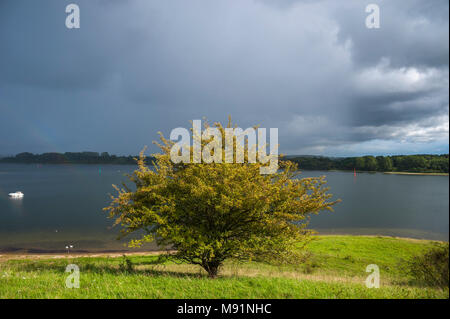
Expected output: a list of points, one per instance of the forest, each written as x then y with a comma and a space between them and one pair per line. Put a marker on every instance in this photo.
70, 158
396, 163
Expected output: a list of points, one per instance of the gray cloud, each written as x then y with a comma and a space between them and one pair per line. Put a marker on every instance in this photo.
412, 33
310, 68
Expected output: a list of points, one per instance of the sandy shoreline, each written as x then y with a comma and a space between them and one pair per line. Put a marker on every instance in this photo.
412, 173
7, 256
114, 254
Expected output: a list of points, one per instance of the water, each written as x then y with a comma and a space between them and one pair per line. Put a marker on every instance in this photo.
63, 205
386, 204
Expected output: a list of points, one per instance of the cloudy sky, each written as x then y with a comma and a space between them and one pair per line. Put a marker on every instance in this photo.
310, 68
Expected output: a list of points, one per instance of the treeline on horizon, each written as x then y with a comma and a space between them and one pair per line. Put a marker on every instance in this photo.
396, 163
71, 158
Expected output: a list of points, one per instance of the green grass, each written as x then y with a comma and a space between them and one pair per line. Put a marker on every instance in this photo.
335, 269
349, 255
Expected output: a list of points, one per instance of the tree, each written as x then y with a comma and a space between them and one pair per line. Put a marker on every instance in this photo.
384, 163
360, 163
371, 163
208, 213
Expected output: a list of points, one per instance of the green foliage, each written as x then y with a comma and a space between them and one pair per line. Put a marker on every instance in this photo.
360, 163
209, 213
431, 267
371, 163
126, 264
385, 163
69, 158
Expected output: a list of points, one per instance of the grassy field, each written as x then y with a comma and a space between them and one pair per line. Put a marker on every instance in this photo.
335, 269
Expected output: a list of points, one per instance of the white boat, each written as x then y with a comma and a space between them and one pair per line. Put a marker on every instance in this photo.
16, 195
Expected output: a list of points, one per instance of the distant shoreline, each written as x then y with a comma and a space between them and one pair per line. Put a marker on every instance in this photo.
390, 173
25, 253
416, 173
300, 169
419, 164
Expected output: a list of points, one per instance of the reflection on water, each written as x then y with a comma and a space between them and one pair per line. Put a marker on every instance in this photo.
63, 204
17, 205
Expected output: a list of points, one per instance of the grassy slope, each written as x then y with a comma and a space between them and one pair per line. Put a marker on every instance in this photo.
335, 269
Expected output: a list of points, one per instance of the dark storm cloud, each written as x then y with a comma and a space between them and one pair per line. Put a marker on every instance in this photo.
310, 68
412, 33
404, 95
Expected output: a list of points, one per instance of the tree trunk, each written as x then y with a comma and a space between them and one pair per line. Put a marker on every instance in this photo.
212, 268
